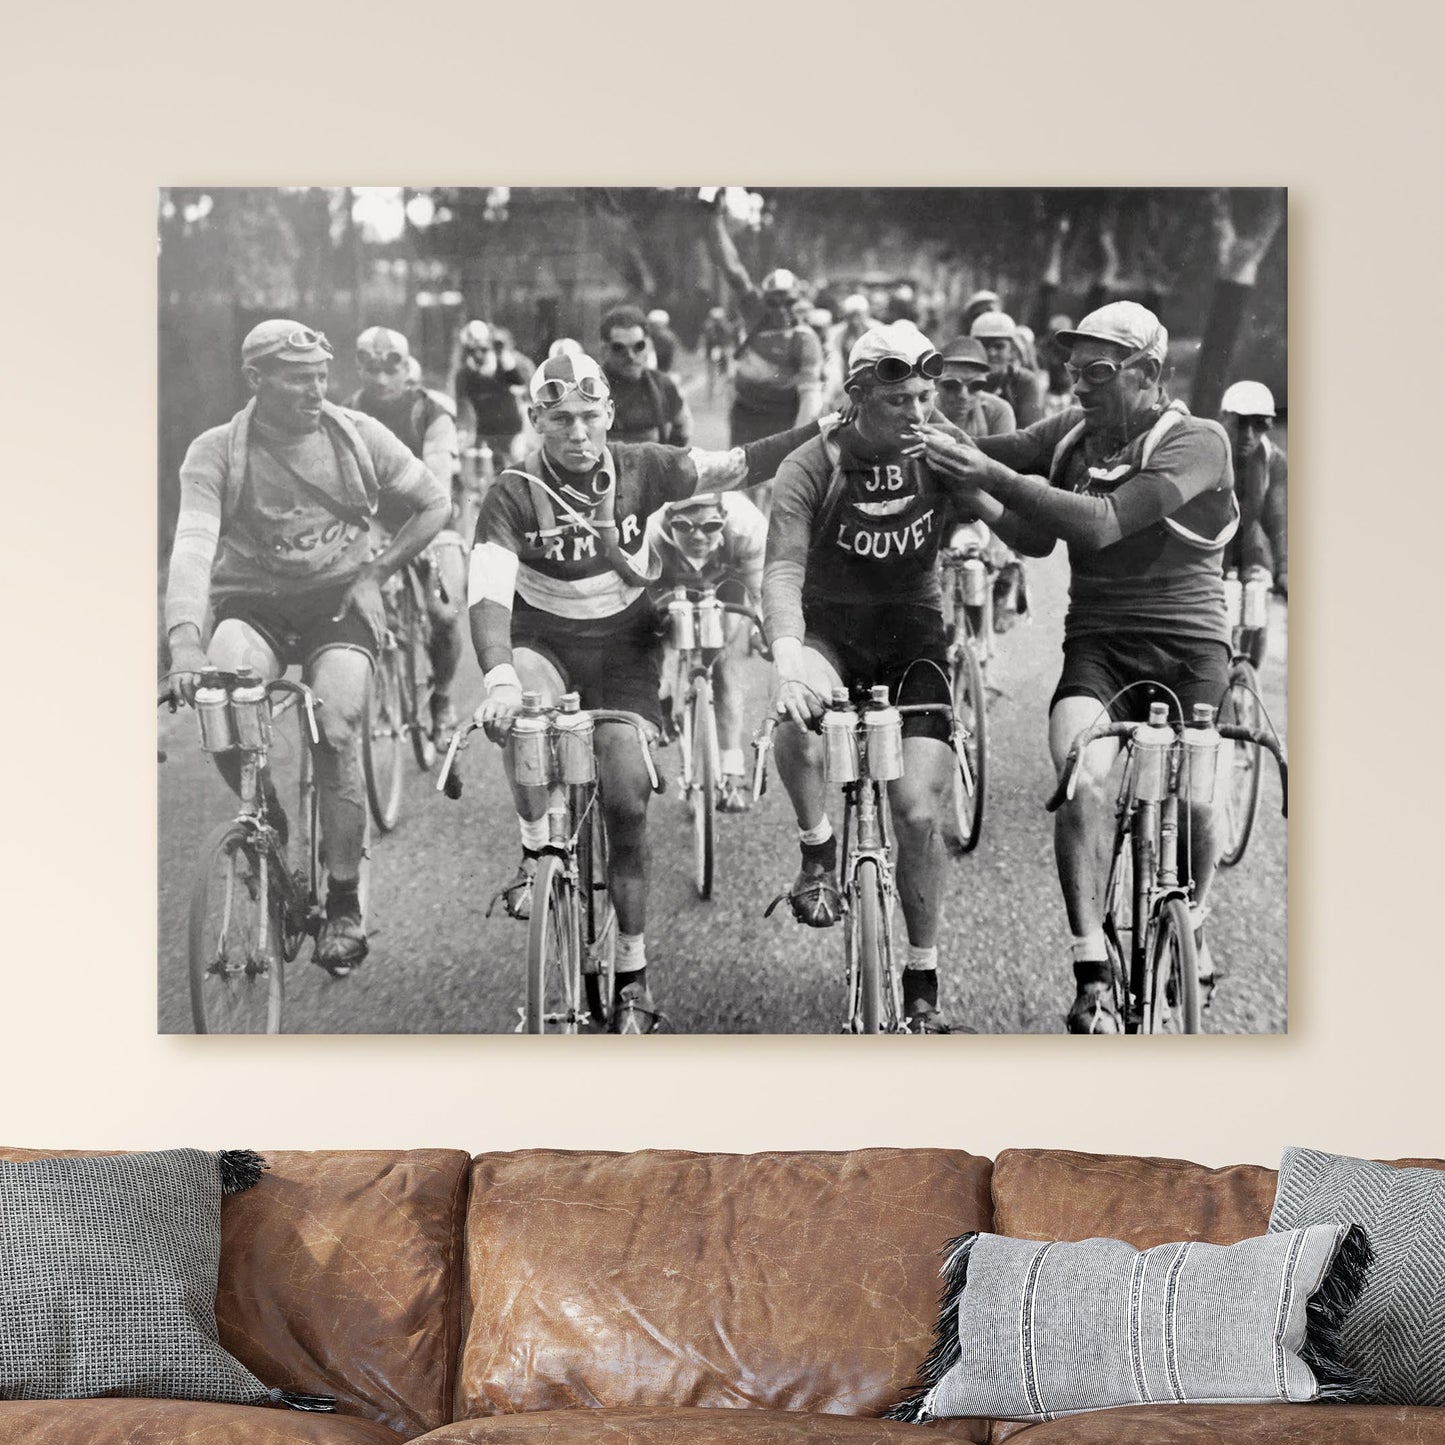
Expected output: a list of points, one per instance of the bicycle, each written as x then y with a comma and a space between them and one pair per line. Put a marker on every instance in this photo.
1242, 704
969, 595
1168, 767
696, 631
250, 911
863, 750
398, 701
572, 934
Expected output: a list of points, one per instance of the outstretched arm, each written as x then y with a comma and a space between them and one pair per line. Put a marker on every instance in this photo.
750, 465
724, 253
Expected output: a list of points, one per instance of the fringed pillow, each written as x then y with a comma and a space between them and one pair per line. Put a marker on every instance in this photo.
1032, 1331
108, 1279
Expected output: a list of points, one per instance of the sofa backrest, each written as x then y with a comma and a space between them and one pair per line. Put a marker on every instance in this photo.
804, 1281
341, 1274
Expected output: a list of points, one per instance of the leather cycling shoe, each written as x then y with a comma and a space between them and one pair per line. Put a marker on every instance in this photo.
517, 895
814, 896
633, 1012
1093, 1011
341, 945
922, 1017
732, 795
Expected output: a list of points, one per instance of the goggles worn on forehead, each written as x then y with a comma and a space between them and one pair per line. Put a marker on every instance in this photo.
1102, 371
303, 338
391, 363
888, 370
551, 391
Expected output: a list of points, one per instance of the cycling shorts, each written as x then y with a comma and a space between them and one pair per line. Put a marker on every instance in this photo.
1098, 665
298, 629
622, 672
867, 646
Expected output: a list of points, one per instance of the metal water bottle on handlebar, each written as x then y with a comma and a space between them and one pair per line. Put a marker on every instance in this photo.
1201, 755
1152, 743
1233, 599
531, 763
1256, 603
883, 730
974, 576
576, 762
841, 762
250, 712
680, 620
709, 620
213, 711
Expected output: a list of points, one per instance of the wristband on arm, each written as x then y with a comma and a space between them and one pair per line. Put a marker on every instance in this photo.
503, 675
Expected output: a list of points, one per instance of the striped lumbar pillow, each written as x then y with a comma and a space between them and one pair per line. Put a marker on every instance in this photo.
1396, 1334
1031, 1331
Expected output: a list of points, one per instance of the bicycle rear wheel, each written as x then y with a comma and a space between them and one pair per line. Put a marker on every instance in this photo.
381, 739
970, 743
415, 625
703, 795
599, 919
1242, 786
554, 953
237, 979
869, 950
1173, 971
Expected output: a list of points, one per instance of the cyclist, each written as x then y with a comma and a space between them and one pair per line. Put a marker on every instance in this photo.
975, 307
558, 600
851, 597
1009, 378
391, 391
1261, 474
664, 341
964, 402
1143, 494
488, 383
717, 540
648, 404
778, 365
718, 340
273, 534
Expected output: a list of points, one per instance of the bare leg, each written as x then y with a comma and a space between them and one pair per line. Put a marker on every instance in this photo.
235, 645
1080, 825
918, 801
339, 677
626, 788
800, 753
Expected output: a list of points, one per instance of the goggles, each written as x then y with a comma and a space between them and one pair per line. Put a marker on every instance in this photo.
1102, 372
711, 527
304, 337
387, 365
888, 370
628, 348
551, 391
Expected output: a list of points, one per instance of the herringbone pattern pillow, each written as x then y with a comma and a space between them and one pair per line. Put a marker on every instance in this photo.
1396, 1333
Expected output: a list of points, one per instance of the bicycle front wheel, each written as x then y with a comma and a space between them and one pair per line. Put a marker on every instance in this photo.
237, 978
599, 919
1241, 787
554, 953
416, 674
869, 951
703, 798
1174, 972
970, 745
381, 740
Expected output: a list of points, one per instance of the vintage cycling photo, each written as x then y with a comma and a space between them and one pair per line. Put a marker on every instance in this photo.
722, 609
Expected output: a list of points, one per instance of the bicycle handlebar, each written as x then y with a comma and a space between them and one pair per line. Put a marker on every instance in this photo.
308, 700
1271, 744
450, 781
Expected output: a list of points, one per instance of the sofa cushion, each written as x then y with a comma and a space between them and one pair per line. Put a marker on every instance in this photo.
341, 1274
582, 1426
1396, 1336
803, 1281
170, 1422
1251, 1424
108, 1277
1060, 1194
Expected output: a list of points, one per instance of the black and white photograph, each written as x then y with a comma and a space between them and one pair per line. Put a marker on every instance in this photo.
722, 610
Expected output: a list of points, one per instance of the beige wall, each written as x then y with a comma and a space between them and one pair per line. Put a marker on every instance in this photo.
104, 107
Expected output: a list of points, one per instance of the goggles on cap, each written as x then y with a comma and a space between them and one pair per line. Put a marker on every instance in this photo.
303, 338
1102, 371
890, 369
551, 391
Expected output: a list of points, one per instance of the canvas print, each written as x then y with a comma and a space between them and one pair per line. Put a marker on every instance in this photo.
722, 609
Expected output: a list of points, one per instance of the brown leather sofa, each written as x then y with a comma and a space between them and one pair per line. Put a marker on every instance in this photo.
550, 1297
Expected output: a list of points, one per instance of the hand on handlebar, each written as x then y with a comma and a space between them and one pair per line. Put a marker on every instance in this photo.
797, 702
495, 715
188, 662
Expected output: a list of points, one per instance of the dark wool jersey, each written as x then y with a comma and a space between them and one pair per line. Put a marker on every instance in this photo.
1152, 580
873, 540
492, 400
408, 417
649, 409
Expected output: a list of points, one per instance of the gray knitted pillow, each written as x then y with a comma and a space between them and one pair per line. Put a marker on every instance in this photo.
108, 1279
1032, 1331
1397, 1333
